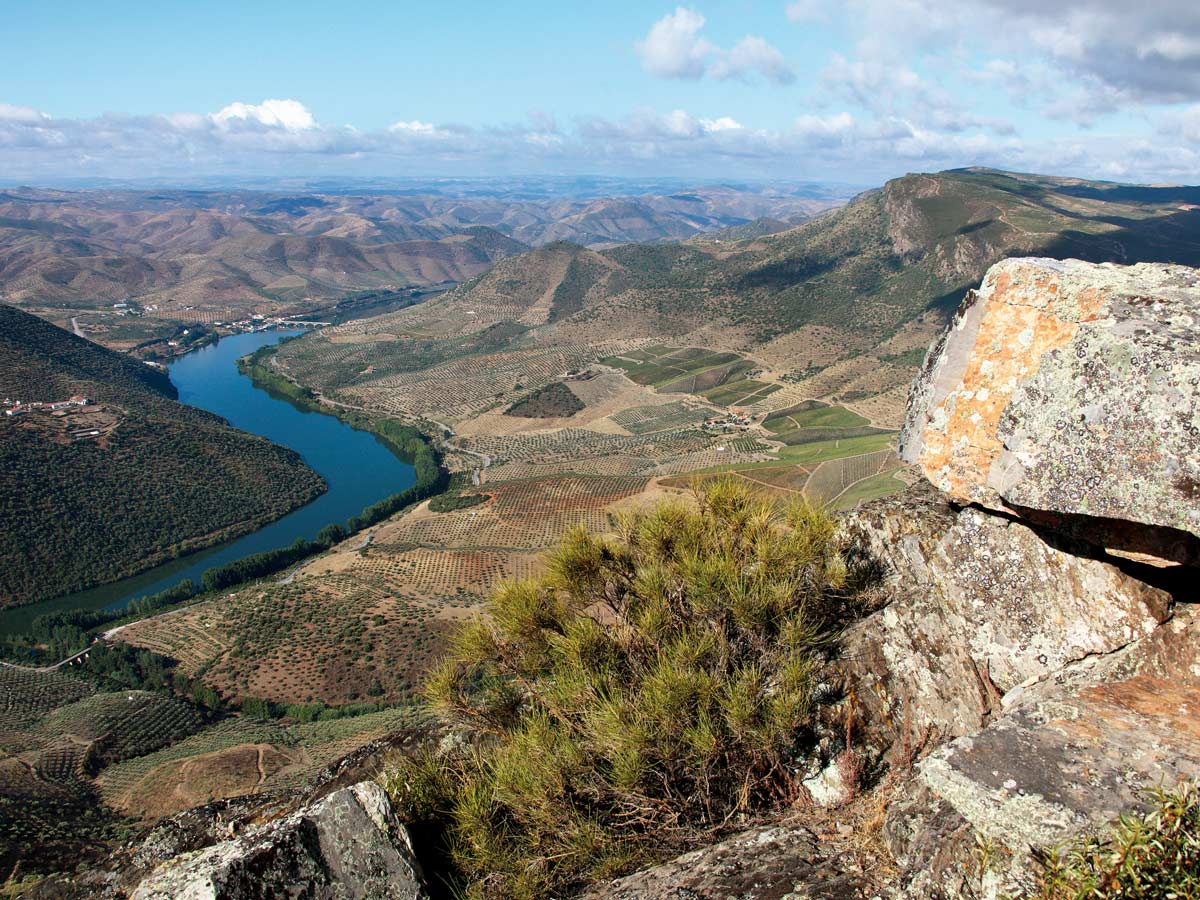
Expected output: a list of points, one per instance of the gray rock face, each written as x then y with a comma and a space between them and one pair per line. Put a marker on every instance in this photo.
347, 846
1065, 756
773, 863
1068, 392
980, 604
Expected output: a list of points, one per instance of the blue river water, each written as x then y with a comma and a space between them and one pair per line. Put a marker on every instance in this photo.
357, 466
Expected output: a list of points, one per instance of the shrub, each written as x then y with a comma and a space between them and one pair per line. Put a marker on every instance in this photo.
650, 688
1154, 856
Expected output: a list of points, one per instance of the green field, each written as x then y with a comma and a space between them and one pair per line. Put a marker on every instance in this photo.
686, 370
835, 449
868, 489
818, 417
742, 392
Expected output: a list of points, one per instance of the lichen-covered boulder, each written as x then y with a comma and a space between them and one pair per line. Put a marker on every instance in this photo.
1068, 393
979, 604
1063, 757
348, 846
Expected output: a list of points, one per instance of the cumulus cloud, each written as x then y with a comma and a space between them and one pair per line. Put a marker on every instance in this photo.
26, 114
673, 48
749, 55
415, 127
290, 115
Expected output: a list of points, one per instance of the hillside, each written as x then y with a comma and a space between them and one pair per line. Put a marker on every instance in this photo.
839, 308
203, 256
136, 470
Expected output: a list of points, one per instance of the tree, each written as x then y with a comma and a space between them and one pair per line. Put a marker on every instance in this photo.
649, 688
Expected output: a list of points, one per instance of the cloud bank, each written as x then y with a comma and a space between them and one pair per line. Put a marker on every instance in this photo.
280, 136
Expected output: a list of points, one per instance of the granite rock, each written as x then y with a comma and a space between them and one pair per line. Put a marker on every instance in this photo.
1065, 756
778, 862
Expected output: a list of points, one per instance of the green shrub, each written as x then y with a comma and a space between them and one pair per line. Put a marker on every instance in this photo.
651, 687
1155, 856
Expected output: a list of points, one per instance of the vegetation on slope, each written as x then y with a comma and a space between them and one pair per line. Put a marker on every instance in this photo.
645, 691
168, 479
1154, 856
555, 400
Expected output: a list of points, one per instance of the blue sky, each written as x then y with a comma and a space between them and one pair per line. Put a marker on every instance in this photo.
857, 91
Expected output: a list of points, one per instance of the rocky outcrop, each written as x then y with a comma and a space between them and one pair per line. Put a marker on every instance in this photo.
1065, 756
1067, 392
779, 861
980, 604
1031, 677
347, 846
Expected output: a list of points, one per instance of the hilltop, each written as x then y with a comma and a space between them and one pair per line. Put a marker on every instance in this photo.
135, 468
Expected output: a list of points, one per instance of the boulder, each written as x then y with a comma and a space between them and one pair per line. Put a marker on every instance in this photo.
1064, 757
1067, 392
979, 605
347, 846
767, 863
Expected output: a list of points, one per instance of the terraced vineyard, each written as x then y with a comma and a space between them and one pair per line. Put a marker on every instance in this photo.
664, 417
240, 756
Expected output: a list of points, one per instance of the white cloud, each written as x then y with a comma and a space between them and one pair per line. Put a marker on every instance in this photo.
749, 55
415, 128
840, 144
1133, 53
673, 48
27, 114
807, 11
724, 123
290, 115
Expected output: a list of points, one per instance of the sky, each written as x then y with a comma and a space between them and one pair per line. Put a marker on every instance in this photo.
855, 91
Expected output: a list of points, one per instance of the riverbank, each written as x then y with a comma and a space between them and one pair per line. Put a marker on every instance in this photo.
359, 454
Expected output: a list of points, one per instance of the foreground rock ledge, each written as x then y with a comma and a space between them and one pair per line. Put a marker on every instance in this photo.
979, 604
1067, 392
348, 846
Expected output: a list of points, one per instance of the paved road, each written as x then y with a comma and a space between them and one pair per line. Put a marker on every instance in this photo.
59, 664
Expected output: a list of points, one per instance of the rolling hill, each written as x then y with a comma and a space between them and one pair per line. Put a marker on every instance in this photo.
236, 252
97, 492
838, 308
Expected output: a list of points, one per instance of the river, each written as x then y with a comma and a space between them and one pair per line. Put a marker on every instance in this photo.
358, 467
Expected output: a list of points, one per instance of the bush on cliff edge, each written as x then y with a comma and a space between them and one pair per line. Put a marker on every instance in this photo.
651, 687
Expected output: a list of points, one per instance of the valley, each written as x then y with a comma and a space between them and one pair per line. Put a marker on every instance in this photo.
563, 387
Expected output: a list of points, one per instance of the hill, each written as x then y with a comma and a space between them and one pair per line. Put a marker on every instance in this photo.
204, 256
135, 469
841, 306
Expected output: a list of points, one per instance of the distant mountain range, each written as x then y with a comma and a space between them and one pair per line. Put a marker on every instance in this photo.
241, 247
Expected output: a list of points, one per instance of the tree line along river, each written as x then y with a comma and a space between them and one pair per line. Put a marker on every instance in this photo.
358, 467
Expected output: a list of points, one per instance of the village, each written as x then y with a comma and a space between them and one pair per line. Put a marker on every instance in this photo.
18, 408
